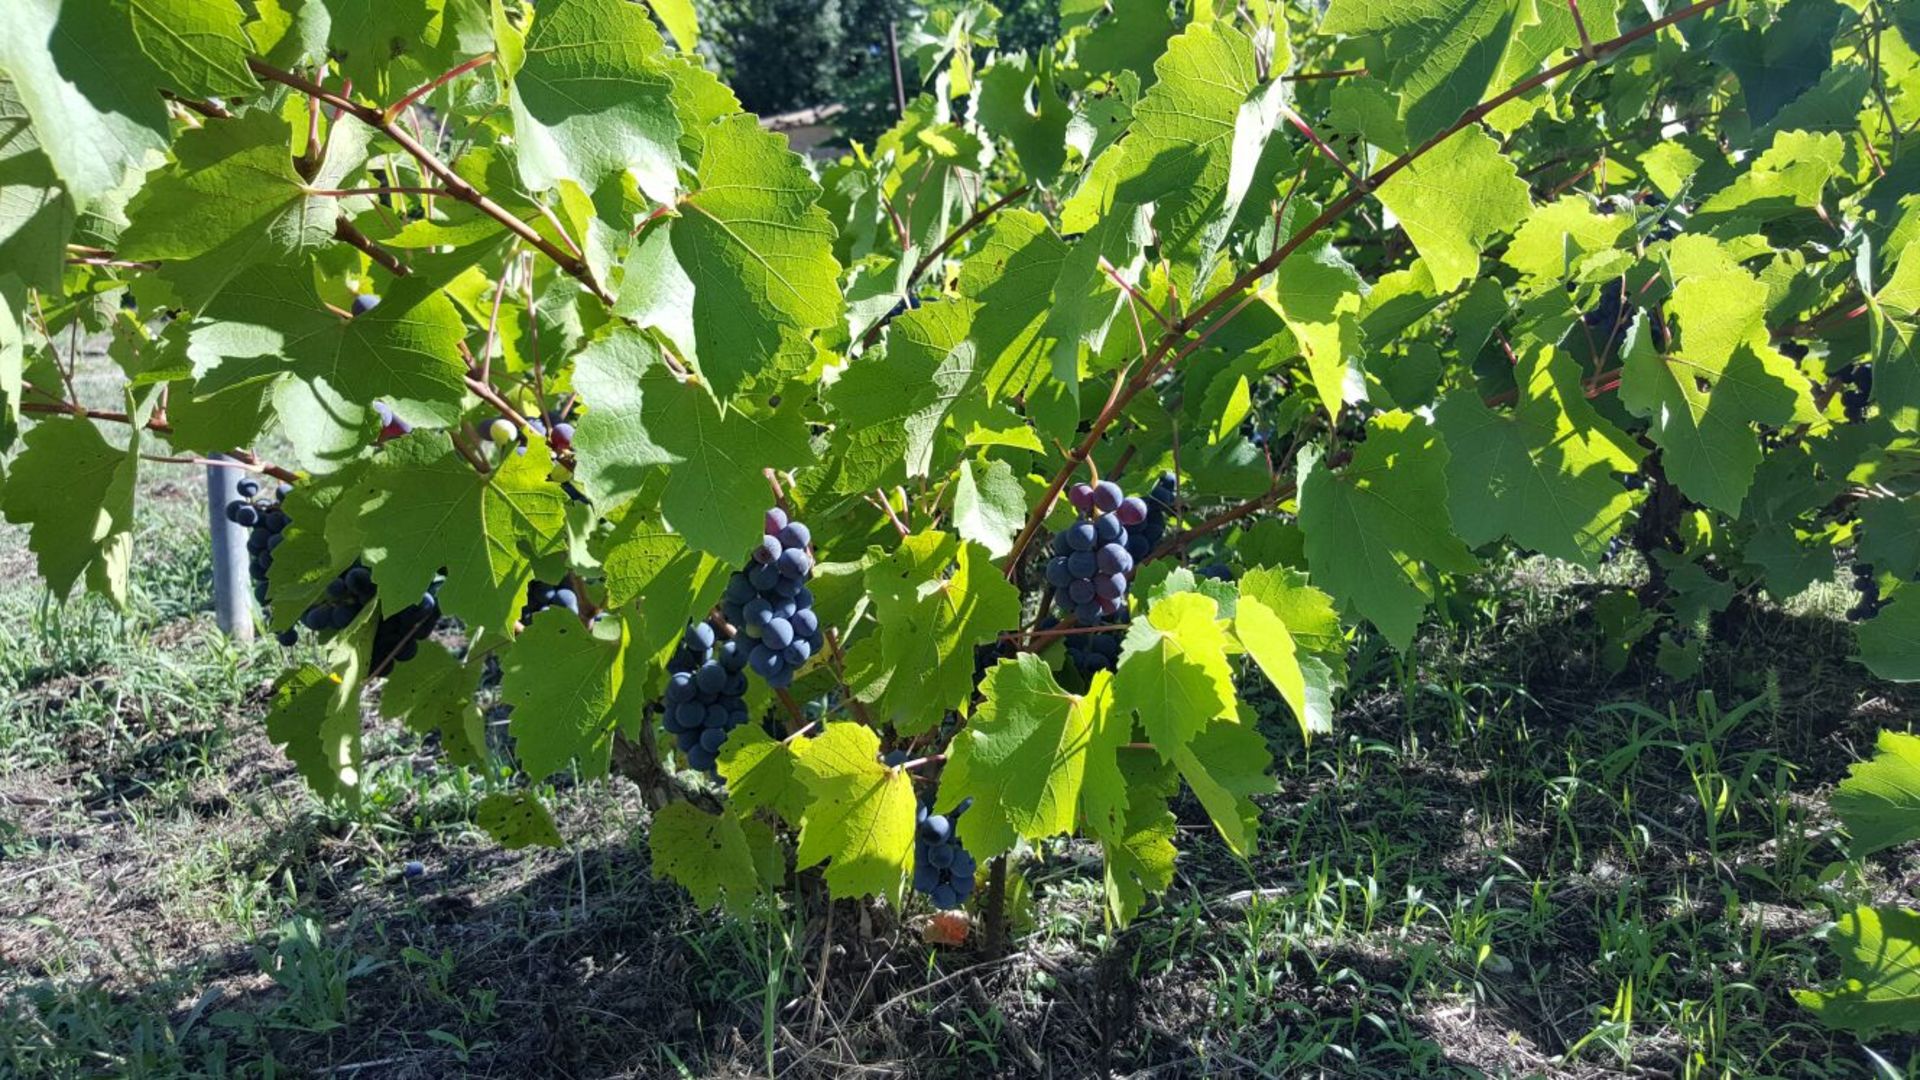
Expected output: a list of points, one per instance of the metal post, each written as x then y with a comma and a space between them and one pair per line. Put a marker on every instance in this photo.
232, 591
899, 84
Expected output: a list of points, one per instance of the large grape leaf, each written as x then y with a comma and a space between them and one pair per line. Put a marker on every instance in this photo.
423, 509
1890, 641
1038, 135
1285, 624
1702, 399
759, 250
1191, 149
643, 418
1890, 535
1374, 526
1011, 274
36, 213
1136, 831
1880, 961
1319, 298
1226, 764
314, 715
591, 100
231, 199
1541, 473
1132, 35
989, 505
200, 44
762, 771
898, 401
1455, 200
1443, 54
1880, 799
1555, 236
936, 598
1173, 671
1021, 758
433, 693
273, 320
861, 817
74, 492
81, 73
304, 564
1779, 55
562, 679
710, 855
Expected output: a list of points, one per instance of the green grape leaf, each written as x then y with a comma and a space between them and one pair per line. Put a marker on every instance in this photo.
232, 200
1880, 963
1879, 801
1085, 302
273, 320
1780, 58
929, 367
643, 418
1134, 33
1375, 525
433, 693
422, 508
1890, 641
1542, 473
681, 19
1319, 298
1173, 671
1454, 201
516, 820
74, 492
1021, 758
762, 771
1038, 135
759, 250
1263, 622
200, 44
82, 74
707, 854
303, 564
1226, 764
860, 819
989, 508
1890, 535
1703, 397
1444, 53
592, 99
936, 598
1554, 237
37, 215
1136, 831
562, 679
314, 715
1785, 181
1192, 147
1011, 273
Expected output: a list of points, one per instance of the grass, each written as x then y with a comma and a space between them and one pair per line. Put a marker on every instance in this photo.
1505, 862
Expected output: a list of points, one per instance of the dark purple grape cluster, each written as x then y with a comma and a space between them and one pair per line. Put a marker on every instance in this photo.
1858, 393
1092, 563
1868, 585
541, 596
397, 639
1144, 537
771, 604
942, 869
706, 694
345, 597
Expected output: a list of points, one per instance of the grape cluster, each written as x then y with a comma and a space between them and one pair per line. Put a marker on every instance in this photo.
1095, 652
1144, 537
942, 869
345, 597
706, 694
1868, 585
1092, 564
397, 639
771, 604
541, 596
1859, 391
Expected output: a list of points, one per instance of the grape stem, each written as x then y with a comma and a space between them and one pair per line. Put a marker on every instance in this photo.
242, 459
1336, 210
344, 231
456, 185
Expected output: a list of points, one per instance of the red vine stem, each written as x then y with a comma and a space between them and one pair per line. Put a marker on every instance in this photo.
1334, 211
456, 185
980, 216
394, 110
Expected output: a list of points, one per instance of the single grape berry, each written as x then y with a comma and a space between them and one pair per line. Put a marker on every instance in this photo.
502, 432
364, 303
